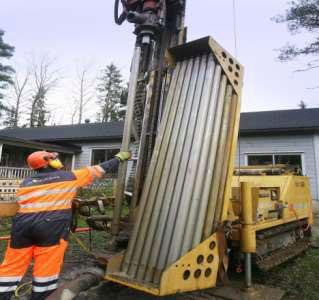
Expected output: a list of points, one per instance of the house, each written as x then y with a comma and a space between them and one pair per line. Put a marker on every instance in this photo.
268, 137
86, 143
282, 136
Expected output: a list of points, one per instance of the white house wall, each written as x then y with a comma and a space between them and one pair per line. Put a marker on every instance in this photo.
316, 160
84, 158
305, 144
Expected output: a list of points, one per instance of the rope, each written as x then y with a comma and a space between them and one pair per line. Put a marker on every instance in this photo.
82, 245
20, 287
235, 27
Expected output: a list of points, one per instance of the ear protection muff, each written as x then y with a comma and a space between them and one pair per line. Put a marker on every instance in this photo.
55, 164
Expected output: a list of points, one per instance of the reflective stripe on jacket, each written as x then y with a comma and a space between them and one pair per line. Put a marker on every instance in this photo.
54, 190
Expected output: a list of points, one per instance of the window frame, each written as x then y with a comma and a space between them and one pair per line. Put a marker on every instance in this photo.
115, 147
273, 154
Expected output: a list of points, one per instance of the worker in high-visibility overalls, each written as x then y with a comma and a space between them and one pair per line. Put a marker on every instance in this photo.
41, 227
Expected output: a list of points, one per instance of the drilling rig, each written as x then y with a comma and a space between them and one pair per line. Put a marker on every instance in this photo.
192, 215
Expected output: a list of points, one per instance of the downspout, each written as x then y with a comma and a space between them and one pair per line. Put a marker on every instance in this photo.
73, 162
1, 147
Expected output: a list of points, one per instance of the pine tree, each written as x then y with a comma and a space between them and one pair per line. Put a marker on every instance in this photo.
6, 51
10, 117
39, 115
302, 15
302, 105
110, 90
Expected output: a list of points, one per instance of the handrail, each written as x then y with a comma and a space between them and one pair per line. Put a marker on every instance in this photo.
14, 173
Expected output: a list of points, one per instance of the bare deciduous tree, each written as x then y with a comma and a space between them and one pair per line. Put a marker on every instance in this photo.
45, 78
17, 98
83, 92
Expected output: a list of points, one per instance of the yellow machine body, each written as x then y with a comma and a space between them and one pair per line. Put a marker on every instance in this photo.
267, 202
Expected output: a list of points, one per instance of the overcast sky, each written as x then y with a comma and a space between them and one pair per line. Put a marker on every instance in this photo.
80, 32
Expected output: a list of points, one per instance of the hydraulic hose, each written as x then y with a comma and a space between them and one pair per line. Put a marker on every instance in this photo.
118, 19
71, 289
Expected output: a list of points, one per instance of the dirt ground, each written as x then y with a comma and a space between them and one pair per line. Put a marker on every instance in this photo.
299, 278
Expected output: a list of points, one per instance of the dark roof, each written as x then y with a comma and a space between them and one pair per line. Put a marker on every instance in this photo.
280, 121
251, 122
37, 145
79, 132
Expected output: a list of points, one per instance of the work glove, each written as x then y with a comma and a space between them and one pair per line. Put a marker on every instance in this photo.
123, 155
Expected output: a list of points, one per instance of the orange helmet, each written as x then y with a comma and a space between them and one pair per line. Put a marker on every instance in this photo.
40, 159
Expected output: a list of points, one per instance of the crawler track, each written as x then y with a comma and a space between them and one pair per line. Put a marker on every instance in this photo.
282, 255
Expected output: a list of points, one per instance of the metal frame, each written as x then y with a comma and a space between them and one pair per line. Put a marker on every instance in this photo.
187, 190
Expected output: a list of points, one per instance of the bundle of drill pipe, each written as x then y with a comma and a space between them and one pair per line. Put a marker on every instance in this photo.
182, 196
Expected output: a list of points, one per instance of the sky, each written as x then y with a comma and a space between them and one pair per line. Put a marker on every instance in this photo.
78, 32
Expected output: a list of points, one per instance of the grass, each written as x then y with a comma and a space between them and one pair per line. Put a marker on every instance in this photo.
101, 189
299, 277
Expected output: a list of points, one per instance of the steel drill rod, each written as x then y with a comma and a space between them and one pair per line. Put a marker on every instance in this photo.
160, 196
224, 192
175, 204
194, 155
142, 144
199, 150
149, 179
219, 164
210, 161
119, 194
248, 274
150, 213
176, 171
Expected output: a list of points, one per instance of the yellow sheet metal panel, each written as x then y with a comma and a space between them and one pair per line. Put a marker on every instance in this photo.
196, 270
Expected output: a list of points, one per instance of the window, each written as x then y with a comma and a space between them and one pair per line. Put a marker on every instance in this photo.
101, 155
257, 160
290, 159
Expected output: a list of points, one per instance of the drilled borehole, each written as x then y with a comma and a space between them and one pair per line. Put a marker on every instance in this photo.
231, 61
236, 74
212, 245
210, 258
236, 82
224, 54
200, 259
208, 272
238, 67
186, 274
197, 273
230, 69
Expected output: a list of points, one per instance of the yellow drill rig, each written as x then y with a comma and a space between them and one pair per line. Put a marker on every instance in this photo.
192, 215
191, 210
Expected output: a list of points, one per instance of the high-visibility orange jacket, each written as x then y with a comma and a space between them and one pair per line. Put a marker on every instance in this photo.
48, 196
40, 229
53, 191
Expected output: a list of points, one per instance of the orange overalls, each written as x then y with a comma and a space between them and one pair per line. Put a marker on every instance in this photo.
41, 227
